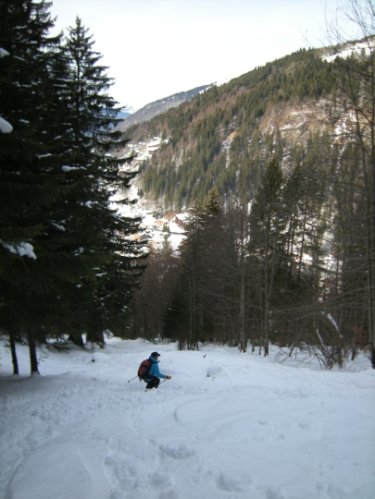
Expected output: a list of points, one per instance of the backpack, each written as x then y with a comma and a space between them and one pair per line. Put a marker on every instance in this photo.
143, 369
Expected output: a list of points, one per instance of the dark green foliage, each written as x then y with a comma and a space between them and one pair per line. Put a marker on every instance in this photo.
96, 235
30, 185
68, 262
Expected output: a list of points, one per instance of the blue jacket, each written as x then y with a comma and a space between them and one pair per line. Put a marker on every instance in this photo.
154, 369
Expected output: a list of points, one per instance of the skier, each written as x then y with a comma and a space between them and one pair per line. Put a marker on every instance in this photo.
152, 377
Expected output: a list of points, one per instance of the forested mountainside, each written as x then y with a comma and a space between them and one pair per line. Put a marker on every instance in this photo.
277, 167
210, 141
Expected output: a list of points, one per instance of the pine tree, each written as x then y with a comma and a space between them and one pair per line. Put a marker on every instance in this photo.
68, 263
98, 236
27, 188
265, 246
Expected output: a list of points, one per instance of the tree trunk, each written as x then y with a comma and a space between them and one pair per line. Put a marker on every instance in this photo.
243, 234
242, 342
373, 355
192, 311
13, 353
77, 340
95, 336
32, 354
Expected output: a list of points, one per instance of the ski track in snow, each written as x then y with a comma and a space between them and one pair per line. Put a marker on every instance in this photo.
227, 426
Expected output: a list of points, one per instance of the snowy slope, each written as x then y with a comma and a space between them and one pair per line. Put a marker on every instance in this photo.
346, 50
227, 426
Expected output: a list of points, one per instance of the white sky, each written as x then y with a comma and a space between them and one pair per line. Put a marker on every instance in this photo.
155, 48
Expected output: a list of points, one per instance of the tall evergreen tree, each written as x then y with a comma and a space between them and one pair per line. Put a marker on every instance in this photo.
265, 244
28, 189
69, 263
95, 234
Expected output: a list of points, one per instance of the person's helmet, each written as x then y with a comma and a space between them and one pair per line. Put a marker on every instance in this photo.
155, 354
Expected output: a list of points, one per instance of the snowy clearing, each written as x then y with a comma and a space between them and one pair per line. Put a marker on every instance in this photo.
227, 426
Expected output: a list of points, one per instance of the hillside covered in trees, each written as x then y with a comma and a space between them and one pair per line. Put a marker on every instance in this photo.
277, 168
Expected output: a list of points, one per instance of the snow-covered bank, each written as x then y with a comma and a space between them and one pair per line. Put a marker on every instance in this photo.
227, 426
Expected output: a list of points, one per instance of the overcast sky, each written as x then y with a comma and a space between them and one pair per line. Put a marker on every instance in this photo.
155, 48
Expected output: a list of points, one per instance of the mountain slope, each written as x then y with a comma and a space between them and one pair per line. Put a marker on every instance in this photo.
203, 138
160, 106
205, 141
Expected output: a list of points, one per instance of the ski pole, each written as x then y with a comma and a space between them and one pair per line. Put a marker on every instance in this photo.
135, 377
164, 380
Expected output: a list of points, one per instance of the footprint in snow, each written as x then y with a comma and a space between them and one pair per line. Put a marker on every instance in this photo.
231, 484
163, 482
274, 494
180, 452
160, 480
168, 494
213, 371
304, 426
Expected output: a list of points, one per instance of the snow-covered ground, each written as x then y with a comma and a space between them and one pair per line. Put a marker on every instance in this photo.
227, 426
346, 50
